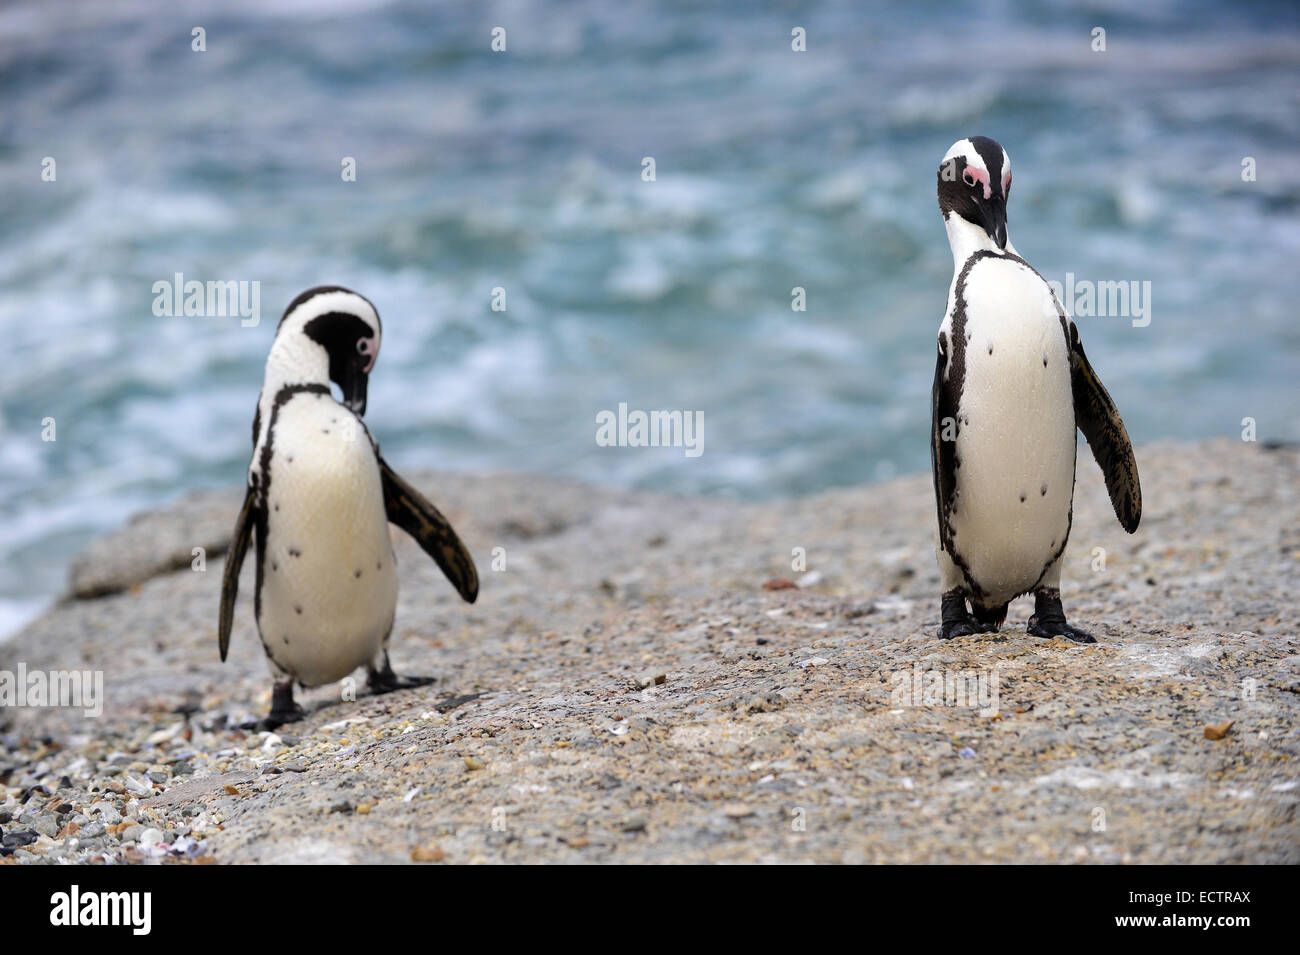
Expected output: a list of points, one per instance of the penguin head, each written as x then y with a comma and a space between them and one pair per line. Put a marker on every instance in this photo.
974, 183
329, 332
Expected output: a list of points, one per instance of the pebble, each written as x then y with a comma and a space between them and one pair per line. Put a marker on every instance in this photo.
164, 735
19, 837
107, 812
47, 825
191, 848
1218, 730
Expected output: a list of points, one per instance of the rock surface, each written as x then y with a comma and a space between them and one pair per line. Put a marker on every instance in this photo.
638, 684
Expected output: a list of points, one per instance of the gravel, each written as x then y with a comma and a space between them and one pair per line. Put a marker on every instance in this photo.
627, 690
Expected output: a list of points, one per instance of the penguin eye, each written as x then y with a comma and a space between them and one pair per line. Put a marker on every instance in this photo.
968, 178
361, 345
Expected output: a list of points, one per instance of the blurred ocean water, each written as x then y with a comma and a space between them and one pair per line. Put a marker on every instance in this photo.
522, 170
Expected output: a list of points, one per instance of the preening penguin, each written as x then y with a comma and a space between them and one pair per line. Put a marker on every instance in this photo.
1011, 384
317, 508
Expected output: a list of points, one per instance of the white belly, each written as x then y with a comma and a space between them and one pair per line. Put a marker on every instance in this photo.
329, 586
1016, 441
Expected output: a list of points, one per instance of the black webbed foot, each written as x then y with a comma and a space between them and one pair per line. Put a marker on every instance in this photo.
283, 708
962, 629
957, 620
1049, 618
384, 680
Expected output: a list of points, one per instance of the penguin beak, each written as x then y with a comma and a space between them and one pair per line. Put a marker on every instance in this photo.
993, 217
353, 386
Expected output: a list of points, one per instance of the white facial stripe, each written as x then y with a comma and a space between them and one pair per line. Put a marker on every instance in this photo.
326, 302
966, 149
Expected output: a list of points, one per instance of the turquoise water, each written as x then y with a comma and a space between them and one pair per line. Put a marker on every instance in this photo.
523, 170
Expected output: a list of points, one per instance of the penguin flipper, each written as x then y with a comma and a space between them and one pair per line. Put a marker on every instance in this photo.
411, 511
943, 454
1097, 417
239, 542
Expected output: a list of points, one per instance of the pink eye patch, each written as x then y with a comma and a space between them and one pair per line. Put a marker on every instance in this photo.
973, 175
366, 346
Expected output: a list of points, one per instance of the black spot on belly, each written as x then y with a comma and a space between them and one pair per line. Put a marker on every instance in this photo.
277, 507
1044, 361
297, 609
290, 459
324, 430
1022, 497
379, 566
286, 640
356, 574
294, 552
274, 565
1043, 490
990, 349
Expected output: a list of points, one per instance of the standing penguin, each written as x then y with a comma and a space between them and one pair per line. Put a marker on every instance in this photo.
1011, 384
319, 501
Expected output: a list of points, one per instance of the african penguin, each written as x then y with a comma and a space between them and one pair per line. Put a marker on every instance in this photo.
1011, 384
317, 508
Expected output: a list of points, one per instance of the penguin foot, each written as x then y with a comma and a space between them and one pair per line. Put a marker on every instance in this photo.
962, 629
283, 708
957, 620
1049, 618
386, 681
1038, 628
